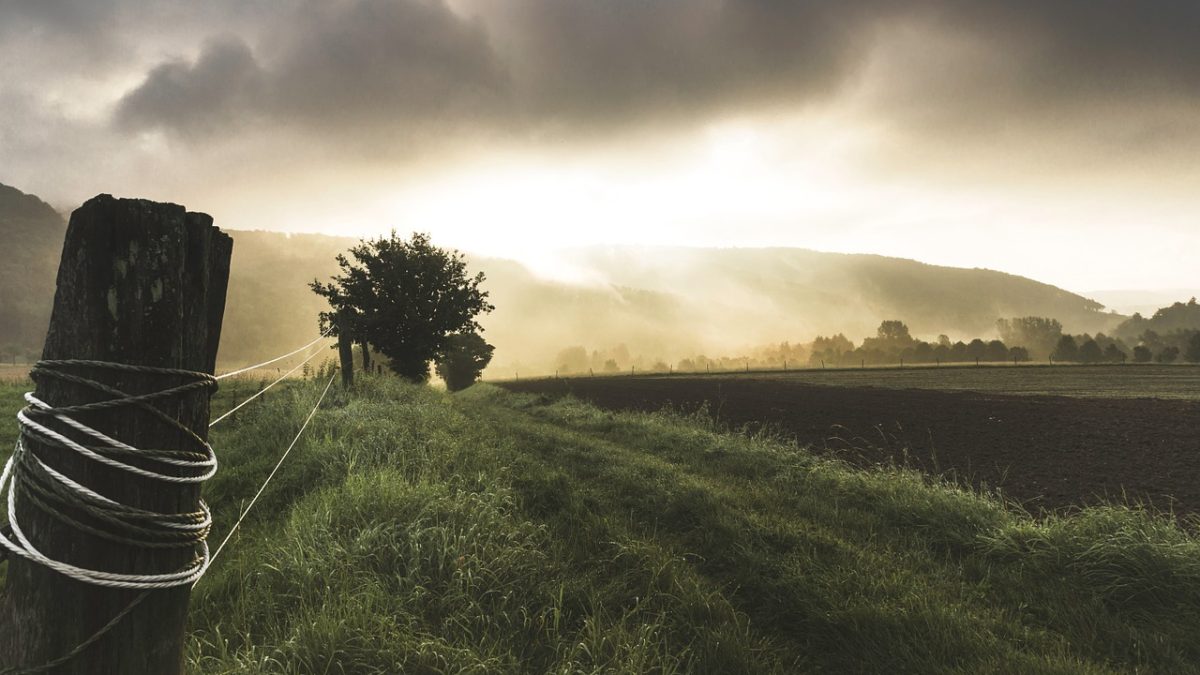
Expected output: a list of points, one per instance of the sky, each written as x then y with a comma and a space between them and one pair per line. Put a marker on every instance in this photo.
1056, 140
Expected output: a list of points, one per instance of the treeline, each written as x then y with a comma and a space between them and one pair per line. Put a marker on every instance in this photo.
893, 344
1021, 340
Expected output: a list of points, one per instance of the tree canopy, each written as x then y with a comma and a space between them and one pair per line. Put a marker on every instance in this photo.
405, 298
463, 359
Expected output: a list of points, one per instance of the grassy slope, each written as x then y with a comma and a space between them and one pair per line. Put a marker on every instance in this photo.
486, 532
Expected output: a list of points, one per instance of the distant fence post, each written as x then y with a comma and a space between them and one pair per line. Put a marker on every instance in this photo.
142, 284
345, 349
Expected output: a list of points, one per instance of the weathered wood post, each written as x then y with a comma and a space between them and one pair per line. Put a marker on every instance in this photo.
345, 349
139, 283
366, 356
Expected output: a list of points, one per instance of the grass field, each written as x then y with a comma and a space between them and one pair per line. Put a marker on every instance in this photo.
415, 531
1180, 382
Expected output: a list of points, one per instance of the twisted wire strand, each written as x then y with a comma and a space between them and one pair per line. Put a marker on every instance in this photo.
262, 391
245, 511
247, 369
27, 477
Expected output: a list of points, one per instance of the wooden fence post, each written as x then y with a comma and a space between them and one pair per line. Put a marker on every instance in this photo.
139, 283
345, 349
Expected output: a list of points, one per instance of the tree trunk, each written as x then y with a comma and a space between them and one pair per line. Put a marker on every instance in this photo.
139, 283
366, 356
346, 352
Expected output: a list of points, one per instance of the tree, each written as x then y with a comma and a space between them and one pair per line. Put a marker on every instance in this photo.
1037, 334
996, 351
958, 351
463, 359
1090, 352
1018, 354
572, 360
406, 298
1113, 353
923, 353
1168, 355
894, 333
1066, 349
1142, 354
976, 350
1193, 347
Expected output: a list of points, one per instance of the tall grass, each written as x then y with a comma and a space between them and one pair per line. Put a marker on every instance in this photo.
416, 531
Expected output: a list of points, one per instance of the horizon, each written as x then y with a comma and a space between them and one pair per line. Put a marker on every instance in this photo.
1046, 142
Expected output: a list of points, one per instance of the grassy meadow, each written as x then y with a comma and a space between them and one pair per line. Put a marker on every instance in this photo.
417, 531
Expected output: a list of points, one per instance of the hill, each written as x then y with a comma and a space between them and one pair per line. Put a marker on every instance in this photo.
416, 531
815, 292
31, 233
658, 303
1180, 317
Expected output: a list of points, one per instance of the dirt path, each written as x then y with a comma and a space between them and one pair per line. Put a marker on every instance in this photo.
1046, 451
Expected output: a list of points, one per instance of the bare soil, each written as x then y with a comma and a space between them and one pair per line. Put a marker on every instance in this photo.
1048, 452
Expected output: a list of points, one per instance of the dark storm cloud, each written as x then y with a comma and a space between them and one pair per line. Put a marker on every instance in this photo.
373, 63
350, 67
592, 60
519, 65
224, 83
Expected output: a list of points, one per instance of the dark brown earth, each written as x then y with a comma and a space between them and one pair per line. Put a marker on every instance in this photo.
1048, 452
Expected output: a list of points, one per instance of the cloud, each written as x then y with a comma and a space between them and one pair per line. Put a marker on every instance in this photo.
996, 83
222, 86
343, 67
524, 66
572, 67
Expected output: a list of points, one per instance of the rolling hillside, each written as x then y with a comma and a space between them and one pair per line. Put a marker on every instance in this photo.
660, 303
